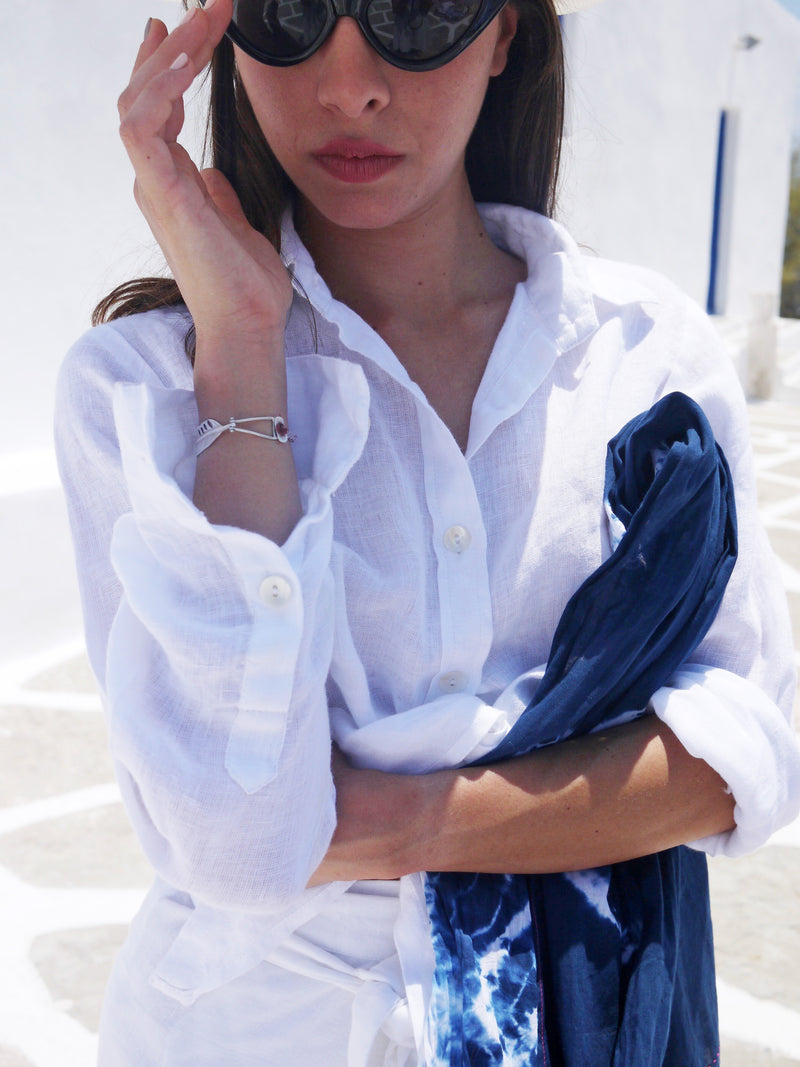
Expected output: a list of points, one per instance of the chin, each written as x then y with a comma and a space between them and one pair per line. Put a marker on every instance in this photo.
359, 210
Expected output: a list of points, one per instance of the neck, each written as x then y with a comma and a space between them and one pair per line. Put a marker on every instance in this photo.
420, 269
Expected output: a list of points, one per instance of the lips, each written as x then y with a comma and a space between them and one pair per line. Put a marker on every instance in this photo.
353, 160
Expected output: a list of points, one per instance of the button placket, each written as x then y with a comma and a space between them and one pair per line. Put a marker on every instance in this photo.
462, 571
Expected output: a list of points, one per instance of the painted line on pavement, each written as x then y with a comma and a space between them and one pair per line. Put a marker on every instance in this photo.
53, 700
776, 459
791, 481
781, 509
758, 1022
31, 1019
15, 673
788, 837
790, 576
22, 815
28, 472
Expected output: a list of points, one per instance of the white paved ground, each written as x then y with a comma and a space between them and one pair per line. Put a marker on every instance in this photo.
71, 874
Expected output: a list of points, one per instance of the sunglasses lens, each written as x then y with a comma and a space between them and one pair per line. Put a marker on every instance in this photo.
409, 31
420, 29
280, 29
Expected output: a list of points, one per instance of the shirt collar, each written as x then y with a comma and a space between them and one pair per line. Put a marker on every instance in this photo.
557, 288
554, 310
562, 284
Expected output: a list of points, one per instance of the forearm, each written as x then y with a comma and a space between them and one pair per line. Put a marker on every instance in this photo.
596, 800
584, 803
243, 480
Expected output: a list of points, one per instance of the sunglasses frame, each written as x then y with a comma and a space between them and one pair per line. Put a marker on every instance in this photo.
357, 9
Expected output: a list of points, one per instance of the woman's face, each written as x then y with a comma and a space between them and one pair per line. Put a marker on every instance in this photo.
366, 144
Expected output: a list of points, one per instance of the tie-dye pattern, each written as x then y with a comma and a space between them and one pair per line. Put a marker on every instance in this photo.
611, 967
486, 967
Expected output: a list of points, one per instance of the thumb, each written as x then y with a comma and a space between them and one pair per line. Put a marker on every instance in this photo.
224, 198
229, 208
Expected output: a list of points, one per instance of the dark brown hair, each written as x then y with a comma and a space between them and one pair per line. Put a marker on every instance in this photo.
512, 156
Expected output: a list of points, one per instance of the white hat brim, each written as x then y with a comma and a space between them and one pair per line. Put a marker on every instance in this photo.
568, 7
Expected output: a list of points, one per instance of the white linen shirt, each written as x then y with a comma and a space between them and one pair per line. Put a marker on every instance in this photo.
419, 585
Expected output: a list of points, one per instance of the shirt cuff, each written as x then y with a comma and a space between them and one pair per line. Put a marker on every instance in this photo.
175, 566
737, 730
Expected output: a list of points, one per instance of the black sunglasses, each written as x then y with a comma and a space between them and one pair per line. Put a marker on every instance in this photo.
410, 34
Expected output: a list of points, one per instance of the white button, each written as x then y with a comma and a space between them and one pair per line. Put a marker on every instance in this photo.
452, 682
275, 590
457, 539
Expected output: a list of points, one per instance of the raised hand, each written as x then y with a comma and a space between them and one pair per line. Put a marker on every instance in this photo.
230, 276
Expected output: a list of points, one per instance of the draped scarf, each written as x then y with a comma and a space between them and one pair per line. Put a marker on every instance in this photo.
610, 967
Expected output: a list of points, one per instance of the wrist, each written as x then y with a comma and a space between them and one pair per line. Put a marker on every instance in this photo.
257, 341
220, 351
240, 378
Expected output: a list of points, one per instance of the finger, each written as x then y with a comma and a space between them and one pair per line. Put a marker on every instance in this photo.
174, 123
181, 215
145, 120
156, 33
262, 252
184, 168
196, 35
224, 196
229, 209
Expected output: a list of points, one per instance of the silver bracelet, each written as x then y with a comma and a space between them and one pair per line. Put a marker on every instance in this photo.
209, 430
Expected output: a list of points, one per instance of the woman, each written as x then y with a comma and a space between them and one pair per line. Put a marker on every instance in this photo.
383, 551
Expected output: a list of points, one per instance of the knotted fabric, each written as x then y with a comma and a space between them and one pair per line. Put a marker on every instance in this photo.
611, 967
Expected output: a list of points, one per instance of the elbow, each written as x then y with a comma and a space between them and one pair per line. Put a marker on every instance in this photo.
255, 858
273, 896
265, 873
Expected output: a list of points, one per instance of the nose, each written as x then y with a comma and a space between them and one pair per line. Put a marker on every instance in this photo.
352, 76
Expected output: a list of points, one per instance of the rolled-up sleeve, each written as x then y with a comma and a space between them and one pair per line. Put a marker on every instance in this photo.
214, 658
732, 705
733, 726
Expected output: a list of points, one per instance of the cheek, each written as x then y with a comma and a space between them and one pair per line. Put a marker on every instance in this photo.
460, 88
275, 100
453, 114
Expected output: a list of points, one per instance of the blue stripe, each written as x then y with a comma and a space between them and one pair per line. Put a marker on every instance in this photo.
719, 186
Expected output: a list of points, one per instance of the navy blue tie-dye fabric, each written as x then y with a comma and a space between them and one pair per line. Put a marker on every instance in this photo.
611, 967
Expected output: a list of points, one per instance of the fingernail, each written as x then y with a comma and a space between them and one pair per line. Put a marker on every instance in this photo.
209, 3
147, 29
179, 62
190, 14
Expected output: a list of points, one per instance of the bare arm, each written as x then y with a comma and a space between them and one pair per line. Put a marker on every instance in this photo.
596, 800
230, 276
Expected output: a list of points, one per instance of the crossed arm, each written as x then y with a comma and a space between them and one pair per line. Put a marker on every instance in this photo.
599, 799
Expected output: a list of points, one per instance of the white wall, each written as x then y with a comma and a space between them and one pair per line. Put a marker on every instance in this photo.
70, 229
648, 82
